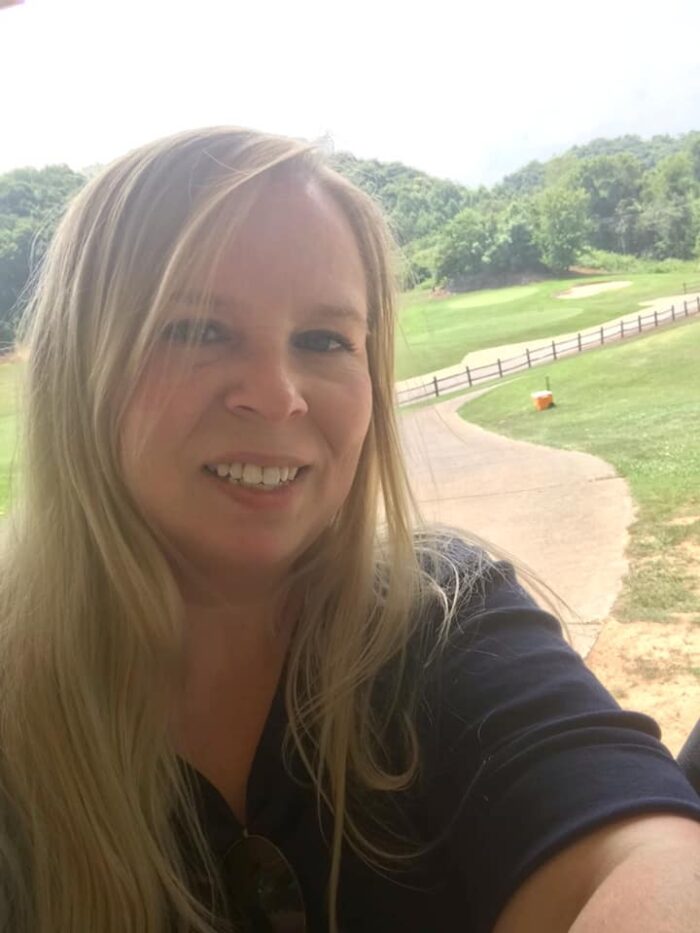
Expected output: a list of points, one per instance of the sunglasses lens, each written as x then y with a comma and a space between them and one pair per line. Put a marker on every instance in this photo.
264, 892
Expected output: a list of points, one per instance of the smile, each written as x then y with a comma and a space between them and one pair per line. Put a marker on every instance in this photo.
252, 476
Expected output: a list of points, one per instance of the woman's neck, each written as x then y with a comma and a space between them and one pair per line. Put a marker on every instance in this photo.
233, 657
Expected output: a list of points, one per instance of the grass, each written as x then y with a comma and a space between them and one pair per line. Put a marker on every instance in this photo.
637, 406
8, 396
437, 332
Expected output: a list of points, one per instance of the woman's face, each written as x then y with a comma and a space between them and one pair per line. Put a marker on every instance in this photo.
241, 446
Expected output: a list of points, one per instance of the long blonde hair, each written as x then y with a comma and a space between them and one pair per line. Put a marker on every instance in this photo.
90, 616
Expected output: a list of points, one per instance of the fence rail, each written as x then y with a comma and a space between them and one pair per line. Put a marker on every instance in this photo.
435, 386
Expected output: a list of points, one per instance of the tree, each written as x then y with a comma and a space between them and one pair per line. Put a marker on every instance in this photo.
31, 201
668, 228
693, 150
461, 248
610, 181
647, 151
562, 225
640, 200
513, 248
31, 192
673, 177
667, 224
526, 180
16, 251
417, 205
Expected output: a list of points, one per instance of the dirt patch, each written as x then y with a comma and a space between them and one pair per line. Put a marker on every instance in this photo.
690, 551
684, 521
653, 668
586, 291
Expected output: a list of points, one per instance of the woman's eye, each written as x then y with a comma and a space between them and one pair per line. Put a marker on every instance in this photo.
193, 332
323, 341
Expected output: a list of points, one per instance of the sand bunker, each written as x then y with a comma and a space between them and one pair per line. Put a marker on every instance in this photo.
585, 291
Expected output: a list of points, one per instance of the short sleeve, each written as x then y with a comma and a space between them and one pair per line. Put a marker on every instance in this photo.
526, 751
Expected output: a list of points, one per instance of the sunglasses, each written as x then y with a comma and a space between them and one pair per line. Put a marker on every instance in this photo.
262, 892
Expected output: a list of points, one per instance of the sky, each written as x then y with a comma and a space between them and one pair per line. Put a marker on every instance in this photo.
462, 90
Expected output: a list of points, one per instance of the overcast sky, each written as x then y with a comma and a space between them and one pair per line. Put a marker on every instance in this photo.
463, 90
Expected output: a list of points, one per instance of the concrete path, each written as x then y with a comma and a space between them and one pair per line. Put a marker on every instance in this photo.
563, 514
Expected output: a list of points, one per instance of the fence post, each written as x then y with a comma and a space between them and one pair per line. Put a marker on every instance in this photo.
685, 308
435, 386
697, 300
469, 378
500, 368
656, 318
602, 336
639, 323
527, 352
673, 312
580, 345
554, 350
622, 328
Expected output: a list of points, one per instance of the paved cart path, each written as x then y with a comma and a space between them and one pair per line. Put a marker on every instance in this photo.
563, 514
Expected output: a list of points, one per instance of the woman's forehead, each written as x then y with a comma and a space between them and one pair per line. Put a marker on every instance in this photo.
296, 241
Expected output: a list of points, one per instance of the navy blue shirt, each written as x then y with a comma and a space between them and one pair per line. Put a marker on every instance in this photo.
523, 752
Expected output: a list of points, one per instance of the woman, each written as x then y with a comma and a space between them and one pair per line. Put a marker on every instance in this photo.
204, 629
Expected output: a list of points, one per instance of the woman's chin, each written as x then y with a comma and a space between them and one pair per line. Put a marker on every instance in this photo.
254, 561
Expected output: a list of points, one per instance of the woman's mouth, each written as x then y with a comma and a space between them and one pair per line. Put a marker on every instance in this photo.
254, 476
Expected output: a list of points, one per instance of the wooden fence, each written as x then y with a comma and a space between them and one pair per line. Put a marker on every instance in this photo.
435, 386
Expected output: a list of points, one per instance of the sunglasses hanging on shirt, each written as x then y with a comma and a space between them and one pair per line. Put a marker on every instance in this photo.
262, 891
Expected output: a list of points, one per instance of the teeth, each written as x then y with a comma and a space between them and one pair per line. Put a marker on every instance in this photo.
250, 474
271, 476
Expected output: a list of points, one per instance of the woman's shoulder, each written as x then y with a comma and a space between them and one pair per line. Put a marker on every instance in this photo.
466, 581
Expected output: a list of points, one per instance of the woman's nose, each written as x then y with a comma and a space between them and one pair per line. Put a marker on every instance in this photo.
267, 385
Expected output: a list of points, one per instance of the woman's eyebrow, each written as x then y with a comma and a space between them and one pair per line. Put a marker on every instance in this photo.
343, 311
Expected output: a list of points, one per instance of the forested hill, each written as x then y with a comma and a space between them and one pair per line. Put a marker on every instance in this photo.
646, 151
417, 204
625, 195
630, 196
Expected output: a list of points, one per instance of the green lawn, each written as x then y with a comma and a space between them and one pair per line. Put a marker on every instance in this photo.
8, 424
636, 405
437, 332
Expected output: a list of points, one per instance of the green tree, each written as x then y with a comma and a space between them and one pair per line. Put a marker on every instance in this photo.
673, 177
526, 180
667, 223
31, 201
648, 151
461, 247
513, 245
667, 228
613, 184
562, 225
416, 204
693, 150
17, 248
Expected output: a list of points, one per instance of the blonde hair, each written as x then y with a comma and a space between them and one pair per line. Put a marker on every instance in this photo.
90, 616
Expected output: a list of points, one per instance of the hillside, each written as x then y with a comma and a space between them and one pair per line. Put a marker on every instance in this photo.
612, 198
